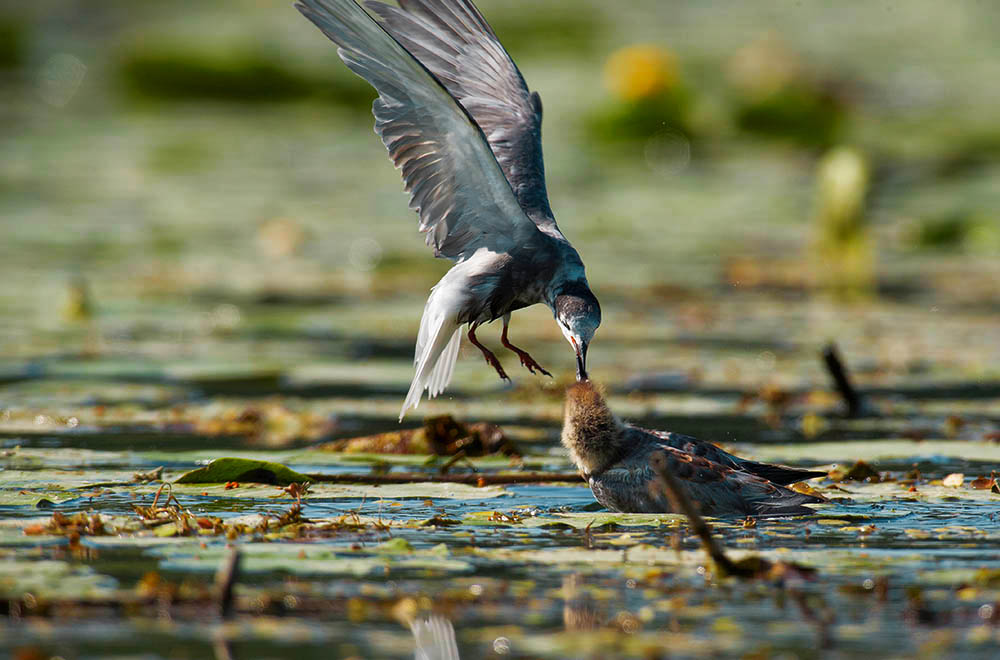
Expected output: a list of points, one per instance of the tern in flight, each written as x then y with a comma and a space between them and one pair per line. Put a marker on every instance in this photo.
458, 120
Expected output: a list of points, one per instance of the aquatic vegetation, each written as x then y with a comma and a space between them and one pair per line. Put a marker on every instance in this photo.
649, 103
253, 293
171, 72
439, 435
844, 251
778, 96
13, 39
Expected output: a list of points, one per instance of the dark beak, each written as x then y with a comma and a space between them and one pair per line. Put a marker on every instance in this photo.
581, 361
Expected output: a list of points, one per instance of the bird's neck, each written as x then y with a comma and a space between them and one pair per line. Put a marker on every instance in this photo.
591, 433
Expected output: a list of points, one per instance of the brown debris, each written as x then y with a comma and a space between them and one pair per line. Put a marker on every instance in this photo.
155, 474
72, 527
985, 483
297, 490
860, 471
442, 435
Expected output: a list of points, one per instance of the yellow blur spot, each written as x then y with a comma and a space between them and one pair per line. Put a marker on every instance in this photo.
640, 72
77, 306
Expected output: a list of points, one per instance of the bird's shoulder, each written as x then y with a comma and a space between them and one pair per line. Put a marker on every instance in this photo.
685, 443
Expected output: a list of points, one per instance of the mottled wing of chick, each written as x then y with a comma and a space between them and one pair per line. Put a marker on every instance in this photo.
633, 486
453, 40
779, 474
455, 183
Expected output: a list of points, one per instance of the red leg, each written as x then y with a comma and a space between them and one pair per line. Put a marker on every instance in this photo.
491, 359
526, 359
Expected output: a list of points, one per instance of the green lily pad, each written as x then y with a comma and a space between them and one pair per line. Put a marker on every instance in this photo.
225, 470
420, 490
41, 500
48, 480
304, 559
51, 579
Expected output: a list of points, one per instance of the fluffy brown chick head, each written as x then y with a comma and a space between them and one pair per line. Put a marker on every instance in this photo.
590, 429
585, 403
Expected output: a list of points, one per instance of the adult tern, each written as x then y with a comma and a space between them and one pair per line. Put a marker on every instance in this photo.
459, 121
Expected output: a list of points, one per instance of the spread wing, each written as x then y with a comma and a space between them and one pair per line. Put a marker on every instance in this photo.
453, 40
455, 183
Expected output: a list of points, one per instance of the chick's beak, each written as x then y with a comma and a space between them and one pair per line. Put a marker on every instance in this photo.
581, 360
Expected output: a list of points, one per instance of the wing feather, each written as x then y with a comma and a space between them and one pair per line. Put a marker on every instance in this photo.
716, 489
453, 40
455, 183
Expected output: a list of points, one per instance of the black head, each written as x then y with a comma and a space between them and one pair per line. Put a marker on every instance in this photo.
579, 315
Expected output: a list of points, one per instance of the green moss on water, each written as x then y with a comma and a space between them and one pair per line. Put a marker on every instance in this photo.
627, 123
13, 40
180, 156
547, 29
242, 75
957, 230
800, 113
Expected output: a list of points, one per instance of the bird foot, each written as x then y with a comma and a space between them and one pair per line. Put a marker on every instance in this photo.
529, 363
526, 360
492, 360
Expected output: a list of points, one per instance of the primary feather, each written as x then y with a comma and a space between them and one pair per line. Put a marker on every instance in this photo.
455, 183
453, 40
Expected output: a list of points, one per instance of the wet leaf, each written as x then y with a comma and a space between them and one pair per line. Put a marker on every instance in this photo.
304, 559
52, 579
954, 480
232, 470
42, 500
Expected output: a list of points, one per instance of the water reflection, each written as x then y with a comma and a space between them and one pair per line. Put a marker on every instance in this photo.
434, 637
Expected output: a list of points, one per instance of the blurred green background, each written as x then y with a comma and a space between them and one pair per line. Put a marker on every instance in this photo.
196, 185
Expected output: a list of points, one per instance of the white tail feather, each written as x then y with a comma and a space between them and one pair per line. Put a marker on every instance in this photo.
440, 335
437, 352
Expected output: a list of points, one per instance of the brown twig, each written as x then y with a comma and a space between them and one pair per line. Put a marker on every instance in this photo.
222, 649
680, 502
751, 567
472, 479
451, 462
224, 580
834, 365
822, 620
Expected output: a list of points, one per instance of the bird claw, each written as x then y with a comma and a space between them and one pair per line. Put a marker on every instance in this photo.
529, 363
495, 363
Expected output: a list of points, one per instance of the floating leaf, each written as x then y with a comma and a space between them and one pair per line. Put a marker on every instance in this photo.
229, 470
304, 559
45, 578
394, 546
441, 435
320, 491
41, 500
954, 480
